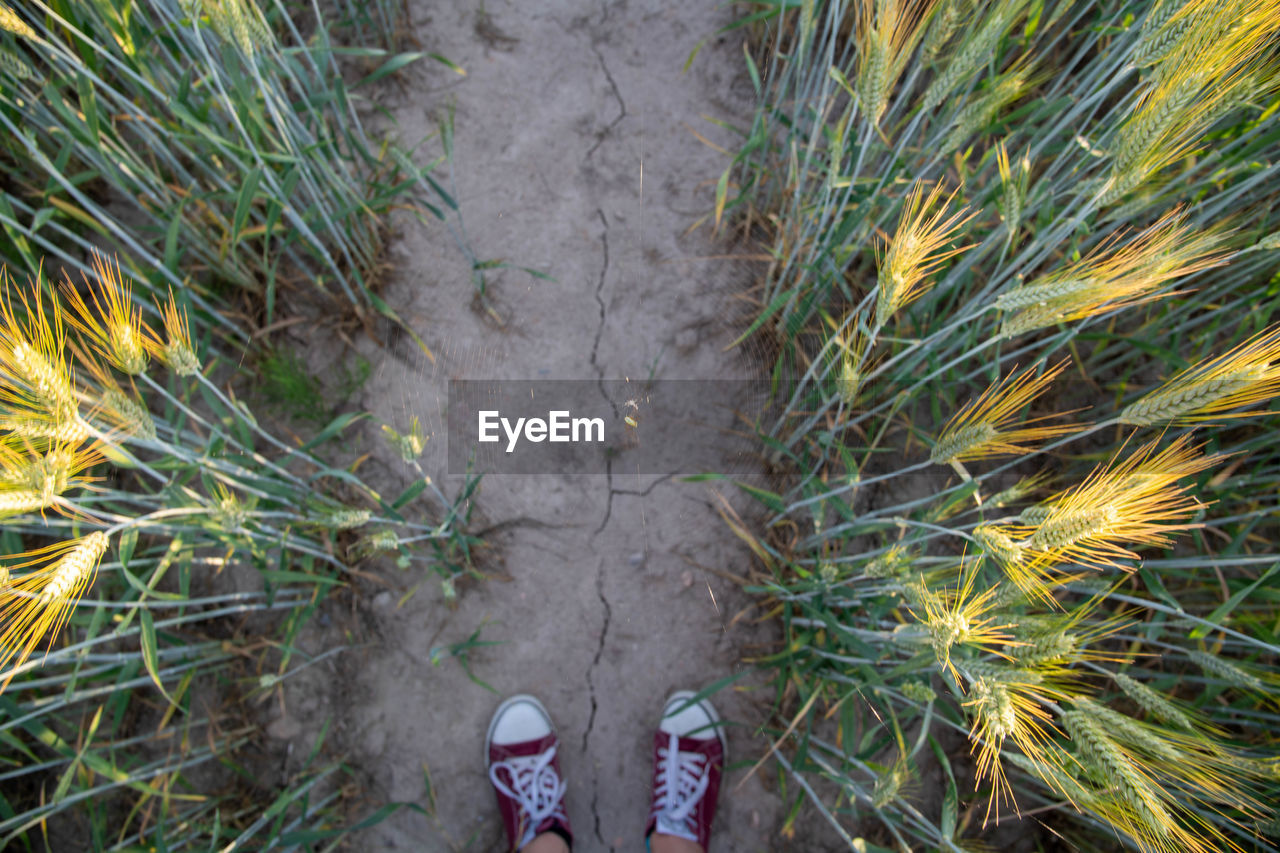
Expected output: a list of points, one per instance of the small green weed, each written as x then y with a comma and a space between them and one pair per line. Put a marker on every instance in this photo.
288, 388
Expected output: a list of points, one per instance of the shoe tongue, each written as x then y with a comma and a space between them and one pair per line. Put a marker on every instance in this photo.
680, 829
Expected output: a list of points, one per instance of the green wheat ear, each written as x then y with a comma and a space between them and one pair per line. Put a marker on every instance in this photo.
1227, 671
972, 52
888, 32
1160, 32
1053, 647
1154, 703
15, 66
946, 19
1108, 764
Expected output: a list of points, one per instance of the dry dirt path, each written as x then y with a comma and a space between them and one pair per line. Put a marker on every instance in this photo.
574, 156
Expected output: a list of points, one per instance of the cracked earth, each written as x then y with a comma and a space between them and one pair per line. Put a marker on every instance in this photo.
576, 156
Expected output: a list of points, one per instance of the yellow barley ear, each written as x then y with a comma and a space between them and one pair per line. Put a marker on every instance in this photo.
31, 480
980, 429
114, 326
1247, 375
960, 617
1135, 501
1027, 570
177, 352
916, 250
1213, 56
11, 22
1001, 710
40, 601
1110, 278
32, 344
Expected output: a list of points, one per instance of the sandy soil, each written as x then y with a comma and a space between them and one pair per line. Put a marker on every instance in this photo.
575, 155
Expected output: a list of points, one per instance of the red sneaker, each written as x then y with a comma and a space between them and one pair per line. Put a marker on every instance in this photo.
688, 757
520, 752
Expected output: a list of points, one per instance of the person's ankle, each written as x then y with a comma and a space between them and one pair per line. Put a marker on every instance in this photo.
662, 843
547, 842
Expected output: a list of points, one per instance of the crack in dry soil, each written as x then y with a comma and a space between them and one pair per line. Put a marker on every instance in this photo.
622, 105
608, 498
554, 136
586, 735
595, 349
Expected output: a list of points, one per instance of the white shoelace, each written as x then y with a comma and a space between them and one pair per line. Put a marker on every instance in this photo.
682, 780
537, 788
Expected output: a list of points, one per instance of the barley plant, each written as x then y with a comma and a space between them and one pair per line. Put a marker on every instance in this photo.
163, 548
1021, 310
156, 534
207, 143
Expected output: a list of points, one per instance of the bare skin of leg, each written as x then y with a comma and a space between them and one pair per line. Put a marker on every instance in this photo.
547, 842
671, 844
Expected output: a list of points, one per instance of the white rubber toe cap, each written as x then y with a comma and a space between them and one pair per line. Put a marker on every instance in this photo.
519, 719
696, 720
